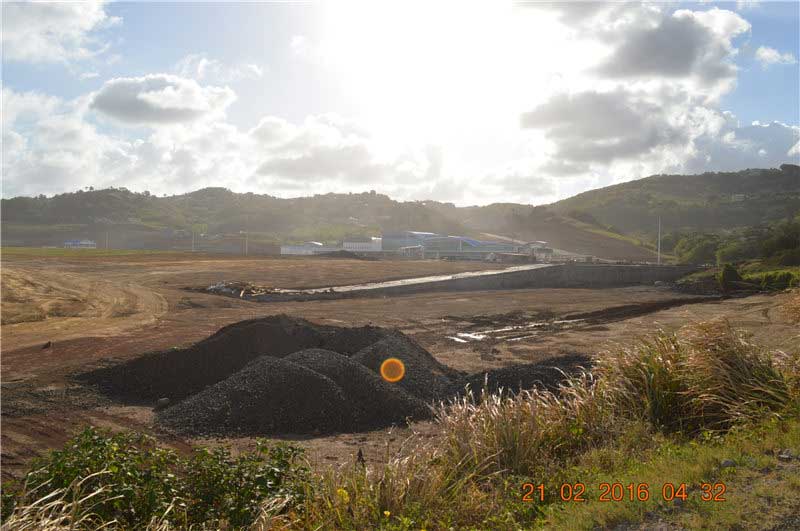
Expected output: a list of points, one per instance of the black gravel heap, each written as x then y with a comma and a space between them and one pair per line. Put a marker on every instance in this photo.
545, 374
269, 395
375, 402
425, 377
284, 375
178, 373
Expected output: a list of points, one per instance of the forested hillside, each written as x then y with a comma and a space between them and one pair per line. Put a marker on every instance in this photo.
618, 221
709, 201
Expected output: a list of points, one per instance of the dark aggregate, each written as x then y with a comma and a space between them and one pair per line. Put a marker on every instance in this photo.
546, 374
270, 395
285, 375
178, 373
375, 402
425, 377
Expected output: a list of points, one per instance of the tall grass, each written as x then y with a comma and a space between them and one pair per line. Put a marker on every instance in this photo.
706, 377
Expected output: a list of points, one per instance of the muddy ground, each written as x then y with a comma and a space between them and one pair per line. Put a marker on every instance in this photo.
120, 308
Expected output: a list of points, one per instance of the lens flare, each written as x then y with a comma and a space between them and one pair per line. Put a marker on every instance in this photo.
392, 370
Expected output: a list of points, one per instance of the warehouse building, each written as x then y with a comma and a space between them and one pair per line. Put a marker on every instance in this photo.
363, 245
80, 244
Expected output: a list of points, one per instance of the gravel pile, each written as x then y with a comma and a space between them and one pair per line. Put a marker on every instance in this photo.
178, 373
269, 395
546, 374
425, 377
375, 402
284, 375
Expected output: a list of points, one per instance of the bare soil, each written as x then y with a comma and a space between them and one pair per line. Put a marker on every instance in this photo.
124, 307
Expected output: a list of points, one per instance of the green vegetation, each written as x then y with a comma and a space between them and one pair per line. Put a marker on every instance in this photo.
626, 213
756, 273
707, 202
759, 493
672, 408
776, 244
128, 478
727, 276
147, 219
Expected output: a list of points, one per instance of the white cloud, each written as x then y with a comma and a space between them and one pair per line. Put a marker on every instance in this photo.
602, 127
653, 102
202, 68
43, 32
634, 89
160, 99
685, 45
19, 106
737, 147
742, 5
770, 56
88, 75
330, 149
52, 146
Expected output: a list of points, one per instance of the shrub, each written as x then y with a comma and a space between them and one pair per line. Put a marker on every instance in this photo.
787, 257
778, 280
140, 481
737, 250
708, 377
727, 276
697, 248
582, 215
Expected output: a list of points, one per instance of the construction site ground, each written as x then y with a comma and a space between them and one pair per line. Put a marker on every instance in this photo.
93, 310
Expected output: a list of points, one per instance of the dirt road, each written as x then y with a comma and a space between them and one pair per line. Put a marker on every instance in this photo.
55, 306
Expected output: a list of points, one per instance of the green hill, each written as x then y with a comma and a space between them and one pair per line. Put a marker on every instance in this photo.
614, 222
709, 202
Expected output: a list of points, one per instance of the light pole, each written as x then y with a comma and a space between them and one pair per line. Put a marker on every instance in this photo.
245, 240
659, 240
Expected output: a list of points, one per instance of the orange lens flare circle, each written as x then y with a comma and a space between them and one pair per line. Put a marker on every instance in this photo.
392, 370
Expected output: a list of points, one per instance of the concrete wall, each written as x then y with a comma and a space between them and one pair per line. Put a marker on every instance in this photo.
605, 275
544, 276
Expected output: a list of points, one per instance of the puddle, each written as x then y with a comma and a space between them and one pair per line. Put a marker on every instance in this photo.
515, 332
246, 290
473, 337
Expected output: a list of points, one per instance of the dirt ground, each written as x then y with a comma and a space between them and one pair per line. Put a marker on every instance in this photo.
96, 311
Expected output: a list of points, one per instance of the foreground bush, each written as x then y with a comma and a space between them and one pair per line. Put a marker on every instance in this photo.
129, 479
708, 377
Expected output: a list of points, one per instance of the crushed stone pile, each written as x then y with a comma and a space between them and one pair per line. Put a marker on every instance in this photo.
546, 374
178, 373
425, 377
269, 395
285, 375
375, 402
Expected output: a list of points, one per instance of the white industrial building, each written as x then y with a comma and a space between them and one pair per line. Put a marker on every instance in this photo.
80, 244
364, 245
353, 245
308, 249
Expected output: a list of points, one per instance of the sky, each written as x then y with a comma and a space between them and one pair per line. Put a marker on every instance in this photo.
464, 102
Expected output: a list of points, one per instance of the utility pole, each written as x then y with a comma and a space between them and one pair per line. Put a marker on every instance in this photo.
245, 240
659, 240
106, 240
192, 240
